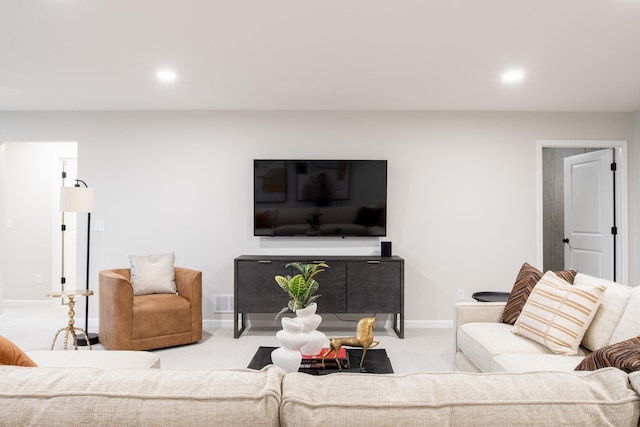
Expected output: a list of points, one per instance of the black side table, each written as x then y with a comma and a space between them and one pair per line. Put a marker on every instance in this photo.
491, 296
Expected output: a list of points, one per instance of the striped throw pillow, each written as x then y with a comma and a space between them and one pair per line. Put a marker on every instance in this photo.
624, 355
526, 279
558, 314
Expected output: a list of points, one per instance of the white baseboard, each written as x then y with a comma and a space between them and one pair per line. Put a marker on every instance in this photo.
217, 323
428, 324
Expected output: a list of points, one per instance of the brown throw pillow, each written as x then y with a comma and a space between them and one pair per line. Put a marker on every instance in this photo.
525, 281
10, 354
624, 355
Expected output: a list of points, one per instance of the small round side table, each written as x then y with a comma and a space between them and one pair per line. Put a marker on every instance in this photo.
491, 296
70, 328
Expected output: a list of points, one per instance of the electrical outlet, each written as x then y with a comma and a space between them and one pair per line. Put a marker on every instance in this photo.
460, 294
38, 279
97, 225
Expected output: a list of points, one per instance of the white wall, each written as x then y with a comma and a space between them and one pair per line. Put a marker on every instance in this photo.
462, 187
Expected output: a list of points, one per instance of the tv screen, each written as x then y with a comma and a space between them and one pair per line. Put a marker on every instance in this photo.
320, 197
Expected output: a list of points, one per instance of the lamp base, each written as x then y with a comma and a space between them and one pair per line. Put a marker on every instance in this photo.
93, 339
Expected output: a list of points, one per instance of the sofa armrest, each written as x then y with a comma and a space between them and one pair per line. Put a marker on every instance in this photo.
471, 312
115, 308
189, 286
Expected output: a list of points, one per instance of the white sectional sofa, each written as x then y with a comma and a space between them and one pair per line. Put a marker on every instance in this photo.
155, 397
483, 343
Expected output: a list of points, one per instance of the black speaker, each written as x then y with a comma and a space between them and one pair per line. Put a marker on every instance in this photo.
385, 249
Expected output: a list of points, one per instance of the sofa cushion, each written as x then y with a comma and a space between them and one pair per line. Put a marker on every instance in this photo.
624, 355
481, 341
11, 354
153, 274
457, 398
113, 359
526, 279
534, 362
634, 380
629, 324
612, 306
160, 314
145, 397
558, 314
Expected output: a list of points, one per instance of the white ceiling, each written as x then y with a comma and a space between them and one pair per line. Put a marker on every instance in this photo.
579, 55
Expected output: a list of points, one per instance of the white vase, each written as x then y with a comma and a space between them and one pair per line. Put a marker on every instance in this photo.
315, 339
291, 338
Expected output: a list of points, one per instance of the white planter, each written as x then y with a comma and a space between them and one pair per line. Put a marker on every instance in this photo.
291, 338
316, 340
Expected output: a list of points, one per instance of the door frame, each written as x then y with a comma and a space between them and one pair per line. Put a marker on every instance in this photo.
622, 195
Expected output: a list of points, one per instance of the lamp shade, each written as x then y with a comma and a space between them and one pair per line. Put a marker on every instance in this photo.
76, 199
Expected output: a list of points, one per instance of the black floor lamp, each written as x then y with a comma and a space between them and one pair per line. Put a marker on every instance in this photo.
80, 199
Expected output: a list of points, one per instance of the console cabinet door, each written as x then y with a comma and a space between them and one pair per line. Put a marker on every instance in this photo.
333, 288
374, 287
257, 290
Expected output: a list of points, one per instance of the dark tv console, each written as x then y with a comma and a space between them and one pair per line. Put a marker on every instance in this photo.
351, 284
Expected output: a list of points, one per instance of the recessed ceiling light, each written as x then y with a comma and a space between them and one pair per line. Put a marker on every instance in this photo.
512, 76
166, 76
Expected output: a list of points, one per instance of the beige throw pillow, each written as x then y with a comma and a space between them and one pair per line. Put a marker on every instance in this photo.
153, 274
558, 314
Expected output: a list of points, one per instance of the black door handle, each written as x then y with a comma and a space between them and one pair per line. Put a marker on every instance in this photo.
565, 240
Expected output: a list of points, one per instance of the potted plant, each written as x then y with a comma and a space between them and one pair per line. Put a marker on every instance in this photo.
302, 287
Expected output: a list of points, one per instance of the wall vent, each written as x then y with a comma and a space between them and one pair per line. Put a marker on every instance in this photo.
224, 303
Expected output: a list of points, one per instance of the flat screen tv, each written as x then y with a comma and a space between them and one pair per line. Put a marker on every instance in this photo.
320, 197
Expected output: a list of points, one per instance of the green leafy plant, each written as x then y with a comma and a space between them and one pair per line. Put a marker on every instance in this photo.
302, 287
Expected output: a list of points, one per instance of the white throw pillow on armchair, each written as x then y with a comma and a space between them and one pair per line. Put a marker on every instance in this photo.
153, 274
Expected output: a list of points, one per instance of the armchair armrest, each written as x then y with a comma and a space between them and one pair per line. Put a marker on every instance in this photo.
188, 282
115, 308
189, 286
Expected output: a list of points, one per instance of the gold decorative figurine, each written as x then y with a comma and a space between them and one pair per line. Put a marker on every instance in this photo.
363, 338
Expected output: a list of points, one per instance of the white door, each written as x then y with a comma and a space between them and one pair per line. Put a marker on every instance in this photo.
589, 213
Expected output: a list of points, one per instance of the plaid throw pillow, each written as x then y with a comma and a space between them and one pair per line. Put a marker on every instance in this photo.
527, 278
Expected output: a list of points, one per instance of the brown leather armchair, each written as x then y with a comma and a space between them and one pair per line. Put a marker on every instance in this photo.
144, 322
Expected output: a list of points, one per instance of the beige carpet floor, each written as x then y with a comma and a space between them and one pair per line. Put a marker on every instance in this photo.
32, 326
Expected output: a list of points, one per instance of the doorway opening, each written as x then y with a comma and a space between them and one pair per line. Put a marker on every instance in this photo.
552, 242
30, 243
